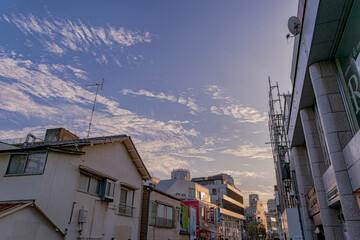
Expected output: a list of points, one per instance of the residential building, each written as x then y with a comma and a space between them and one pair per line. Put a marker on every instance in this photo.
271, 217
72, 188
204, 216
255, 211
162, 217
223, 192
184, 189
323, 128
182, 174
229, 199
207, 218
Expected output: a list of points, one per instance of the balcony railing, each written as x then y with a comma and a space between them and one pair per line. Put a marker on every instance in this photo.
126, 209
164, 222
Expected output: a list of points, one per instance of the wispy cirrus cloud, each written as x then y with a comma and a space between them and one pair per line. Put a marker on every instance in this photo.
243, 114
239, 176
60, 35
48, 96
240, 113
189, 102
54, 48
250, 151
216, 92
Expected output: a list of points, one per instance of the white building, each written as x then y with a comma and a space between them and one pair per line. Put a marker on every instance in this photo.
71, 188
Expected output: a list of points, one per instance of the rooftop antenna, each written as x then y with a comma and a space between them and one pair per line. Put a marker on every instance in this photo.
93, 108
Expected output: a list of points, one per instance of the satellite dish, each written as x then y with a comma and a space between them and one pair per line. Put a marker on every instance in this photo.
294, 25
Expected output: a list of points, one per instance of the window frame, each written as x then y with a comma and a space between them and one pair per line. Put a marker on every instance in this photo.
125, 205
24, 173
162, 222
90, 176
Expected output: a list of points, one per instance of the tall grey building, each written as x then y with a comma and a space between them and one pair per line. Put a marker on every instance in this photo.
323, 127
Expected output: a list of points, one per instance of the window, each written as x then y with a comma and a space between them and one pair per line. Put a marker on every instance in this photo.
201, 195
126, 202
162, 215
26, 164
214, 191
202, 213
89, 184
110, 187
191, 193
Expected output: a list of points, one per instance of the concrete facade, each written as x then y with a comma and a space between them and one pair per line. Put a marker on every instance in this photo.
26, 222
151, 226
256, 211
223, 192
184, 189
323, 127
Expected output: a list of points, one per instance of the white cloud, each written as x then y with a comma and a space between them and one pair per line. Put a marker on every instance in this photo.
244, 114
14, 100
54, 48
239, 176
189, 102
5, 18
238, 111
67, 104
214, 110
74, 35
216, 92
250, 151
77, 72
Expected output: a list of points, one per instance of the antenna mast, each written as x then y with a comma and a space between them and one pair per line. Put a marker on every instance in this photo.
93, 108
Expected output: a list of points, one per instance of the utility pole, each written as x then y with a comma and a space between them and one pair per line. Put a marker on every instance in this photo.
93, 108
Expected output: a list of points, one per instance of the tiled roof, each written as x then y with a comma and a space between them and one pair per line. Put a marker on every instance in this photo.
7, 206
78, 141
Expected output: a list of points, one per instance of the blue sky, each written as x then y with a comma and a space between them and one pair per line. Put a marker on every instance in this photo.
187, 80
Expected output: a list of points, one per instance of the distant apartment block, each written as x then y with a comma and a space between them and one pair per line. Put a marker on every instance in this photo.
230, 201
223, 192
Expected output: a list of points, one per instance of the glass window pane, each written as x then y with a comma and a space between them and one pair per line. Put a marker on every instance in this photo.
130, 197
123, 196
169, 213
35, 163
94, 185
161, 211
17, 164
83, 182
153, 213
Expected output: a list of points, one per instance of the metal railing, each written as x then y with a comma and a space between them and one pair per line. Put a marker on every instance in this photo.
126, 209
164, 222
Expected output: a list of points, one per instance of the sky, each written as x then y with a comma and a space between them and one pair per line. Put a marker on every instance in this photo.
187, 80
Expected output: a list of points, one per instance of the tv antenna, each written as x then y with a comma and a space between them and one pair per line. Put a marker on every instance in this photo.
93, 108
